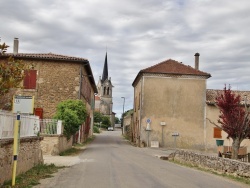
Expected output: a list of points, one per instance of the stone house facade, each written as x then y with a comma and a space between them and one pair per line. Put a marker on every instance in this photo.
169, 105
55, 78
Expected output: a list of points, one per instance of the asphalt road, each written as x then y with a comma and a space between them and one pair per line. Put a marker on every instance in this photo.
111, 162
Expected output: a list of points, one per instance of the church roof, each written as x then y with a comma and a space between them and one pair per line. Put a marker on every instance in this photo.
105, 69
172, 67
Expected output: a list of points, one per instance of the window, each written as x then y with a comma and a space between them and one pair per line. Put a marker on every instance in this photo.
217, 132
29, 81
108, 91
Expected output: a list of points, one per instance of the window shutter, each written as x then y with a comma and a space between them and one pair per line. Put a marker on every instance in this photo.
217, 132
30, 79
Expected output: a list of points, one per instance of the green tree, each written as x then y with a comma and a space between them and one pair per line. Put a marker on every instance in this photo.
106, 121
98, 117
73, 113
117, 120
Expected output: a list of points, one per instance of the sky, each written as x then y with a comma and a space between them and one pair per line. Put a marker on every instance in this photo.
136, 34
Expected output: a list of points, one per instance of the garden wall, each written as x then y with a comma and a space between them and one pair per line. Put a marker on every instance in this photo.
30, 154
55, 144
214, 163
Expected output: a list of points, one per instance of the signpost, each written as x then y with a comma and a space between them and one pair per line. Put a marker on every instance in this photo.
148, 129
21, 104
162, 135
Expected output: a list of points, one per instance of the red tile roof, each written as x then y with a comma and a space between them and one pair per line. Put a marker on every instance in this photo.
50, 56
211, 95
172, 67
97, 97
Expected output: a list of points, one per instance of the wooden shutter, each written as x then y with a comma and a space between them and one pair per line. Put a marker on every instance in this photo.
217, 132
30, 79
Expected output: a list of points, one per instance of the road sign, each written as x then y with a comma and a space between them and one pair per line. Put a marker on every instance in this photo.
148, 120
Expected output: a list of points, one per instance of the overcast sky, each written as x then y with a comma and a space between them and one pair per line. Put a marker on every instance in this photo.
137, 34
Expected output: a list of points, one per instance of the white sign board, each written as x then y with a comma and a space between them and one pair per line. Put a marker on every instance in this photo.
154, 144
23, 104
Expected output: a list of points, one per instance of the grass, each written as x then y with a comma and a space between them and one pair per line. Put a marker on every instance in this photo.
235, 178
77, 148
32, 177
42, 171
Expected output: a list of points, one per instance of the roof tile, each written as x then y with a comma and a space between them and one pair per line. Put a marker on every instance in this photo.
174, 67
211, 95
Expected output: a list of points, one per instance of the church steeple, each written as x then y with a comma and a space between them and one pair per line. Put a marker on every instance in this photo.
105, 69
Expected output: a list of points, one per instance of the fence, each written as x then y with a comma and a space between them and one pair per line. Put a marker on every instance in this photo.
29, 125
50, 126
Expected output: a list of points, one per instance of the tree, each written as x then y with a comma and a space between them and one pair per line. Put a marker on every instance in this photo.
106, 121
98, 117
73, 113
117, 120
11, 73
233, 119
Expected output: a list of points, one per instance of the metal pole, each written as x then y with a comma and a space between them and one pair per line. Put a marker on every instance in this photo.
15, 147
123, 114
162, 139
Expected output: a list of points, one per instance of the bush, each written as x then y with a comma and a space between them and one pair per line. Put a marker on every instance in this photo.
96, 129
73, 113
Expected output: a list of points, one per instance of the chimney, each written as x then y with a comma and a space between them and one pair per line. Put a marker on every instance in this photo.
15, 47
197, 61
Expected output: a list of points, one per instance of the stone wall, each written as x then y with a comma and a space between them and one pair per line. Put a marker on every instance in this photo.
214, 163
30, 154
55, 144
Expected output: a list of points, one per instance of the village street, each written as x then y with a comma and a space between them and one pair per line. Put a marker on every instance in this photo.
111, 162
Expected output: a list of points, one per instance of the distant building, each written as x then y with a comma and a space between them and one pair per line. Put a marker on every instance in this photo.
104, 100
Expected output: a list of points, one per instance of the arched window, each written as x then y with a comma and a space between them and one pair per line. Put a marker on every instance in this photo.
104, 91
108, 91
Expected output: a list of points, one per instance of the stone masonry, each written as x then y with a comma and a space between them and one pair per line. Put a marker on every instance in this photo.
29, 155
214, 163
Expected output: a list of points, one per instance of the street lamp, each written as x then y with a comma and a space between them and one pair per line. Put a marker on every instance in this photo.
123, 113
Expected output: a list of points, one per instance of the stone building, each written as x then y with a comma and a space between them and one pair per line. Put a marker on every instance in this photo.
55, 78
169, 105
104, 99
172, 106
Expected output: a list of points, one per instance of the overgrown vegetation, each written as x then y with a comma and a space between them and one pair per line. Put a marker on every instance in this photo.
101, 120
96, 129
32, 177
239, 179
73, 113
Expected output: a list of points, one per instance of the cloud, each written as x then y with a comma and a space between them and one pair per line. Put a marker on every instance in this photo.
137, 34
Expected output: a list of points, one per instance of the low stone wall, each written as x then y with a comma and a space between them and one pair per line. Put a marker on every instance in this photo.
214, 163
55, 144
29, 155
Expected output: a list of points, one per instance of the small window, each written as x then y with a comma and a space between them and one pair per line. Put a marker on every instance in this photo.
217, 132
29, 81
